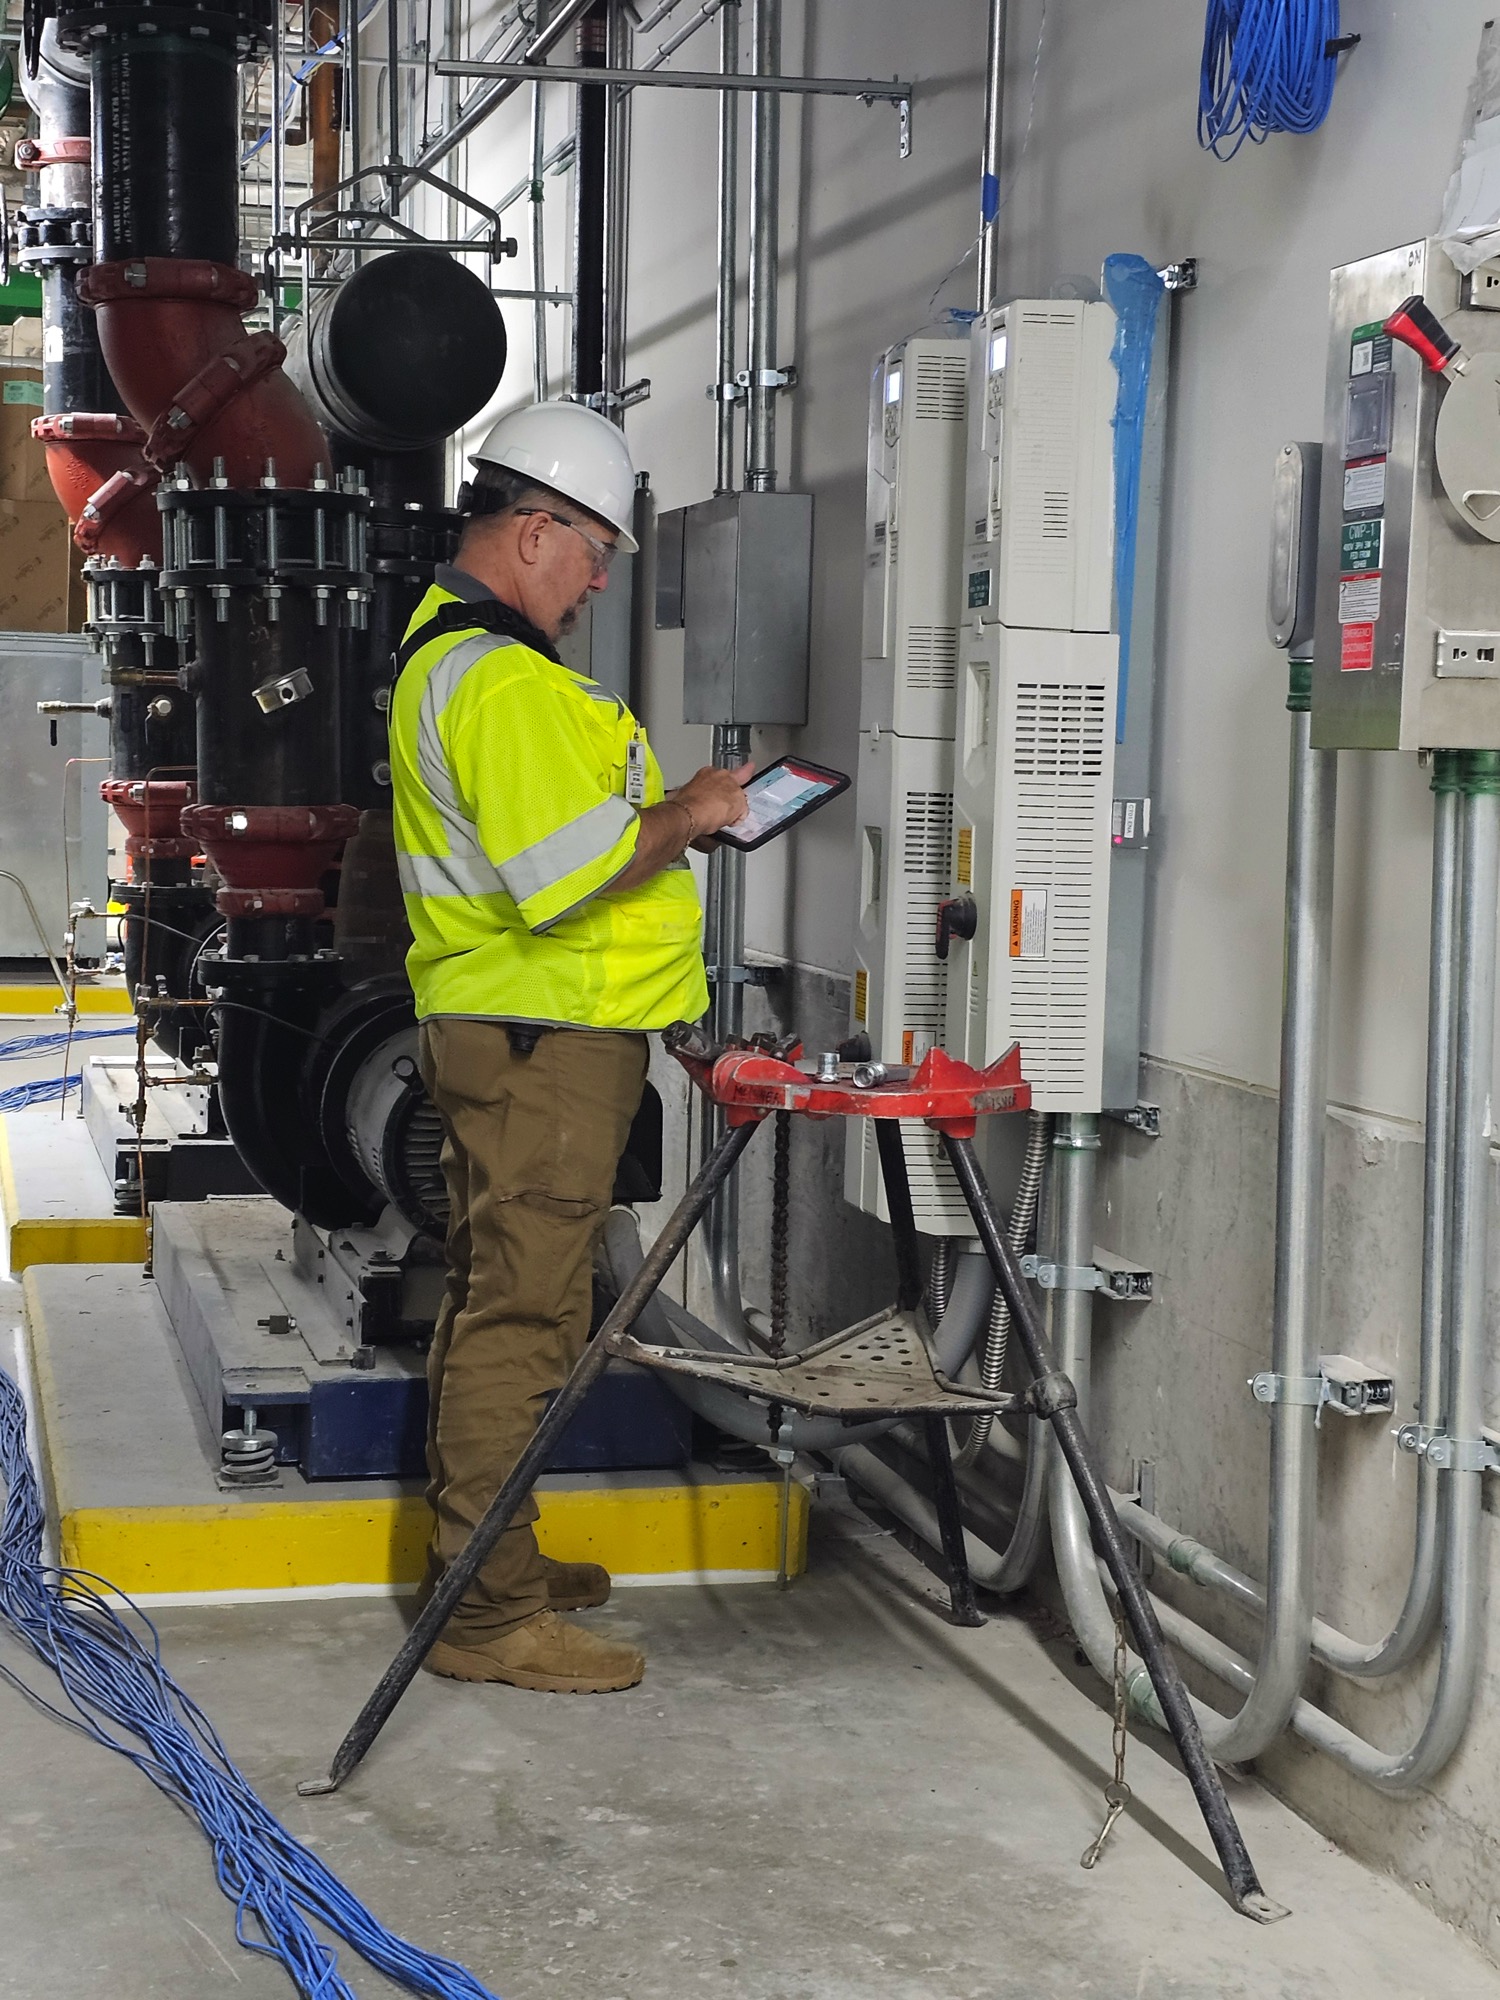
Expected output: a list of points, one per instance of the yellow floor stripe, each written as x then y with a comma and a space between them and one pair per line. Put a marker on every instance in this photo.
633, 1530
40, 999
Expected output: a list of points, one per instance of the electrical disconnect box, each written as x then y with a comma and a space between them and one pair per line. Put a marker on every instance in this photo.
1407, 653
904, 783
1034, 811
1040, 488
735, 573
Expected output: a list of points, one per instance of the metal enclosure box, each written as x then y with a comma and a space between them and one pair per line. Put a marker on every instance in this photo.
1033, 794
747, 607
1396, 566
1040, 491
904, 811
45, 792
914, 504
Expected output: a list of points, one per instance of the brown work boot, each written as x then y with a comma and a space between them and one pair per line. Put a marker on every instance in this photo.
575, 1586
546, 1653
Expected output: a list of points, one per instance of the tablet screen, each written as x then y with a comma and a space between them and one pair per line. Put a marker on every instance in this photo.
779, 795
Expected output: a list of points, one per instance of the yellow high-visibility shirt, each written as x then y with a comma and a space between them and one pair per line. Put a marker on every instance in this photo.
509, 774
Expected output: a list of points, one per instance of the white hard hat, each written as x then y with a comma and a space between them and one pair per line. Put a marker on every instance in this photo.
576, 452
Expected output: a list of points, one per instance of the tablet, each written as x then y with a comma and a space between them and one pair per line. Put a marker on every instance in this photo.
778, 797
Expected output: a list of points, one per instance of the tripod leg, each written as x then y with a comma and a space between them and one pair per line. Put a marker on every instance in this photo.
1053, 1396
497, 1517
898, 1201
950, 1522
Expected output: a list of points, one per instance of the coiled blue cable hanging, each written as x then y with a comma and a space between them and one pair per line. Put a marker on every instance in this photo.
1268, 66
120, 1694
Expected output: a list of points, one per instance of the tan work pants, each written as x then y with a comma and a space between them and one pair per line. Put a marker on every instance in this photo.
530, 1152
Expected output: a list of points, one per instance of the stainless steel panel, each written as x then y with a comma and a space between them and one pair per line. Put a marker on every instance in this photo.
747, 607
51, 789
1435, 573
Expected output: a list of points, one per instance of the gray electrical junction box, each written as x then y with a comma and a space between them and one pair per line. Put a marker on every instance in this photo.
1407, 653
744, 603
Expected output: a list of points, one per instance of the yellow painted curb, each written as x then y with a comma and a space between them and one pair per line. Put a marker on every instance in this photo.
64, 1239
40, 999
672, 1529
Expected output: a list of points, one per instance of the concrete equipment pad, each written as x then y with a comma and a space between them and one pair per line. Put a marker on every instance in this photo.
129, 1467
58, 1202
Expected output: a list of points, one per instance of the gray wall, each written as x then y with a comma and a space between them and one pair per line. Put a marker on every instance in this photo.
1102, 157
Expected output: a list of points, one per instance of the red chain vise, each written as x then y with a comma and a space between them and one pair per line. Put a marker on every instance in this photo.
752, 1079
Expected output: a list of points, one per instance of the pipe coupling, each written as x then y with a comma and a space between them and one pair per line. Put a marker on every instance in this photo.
1049, 1395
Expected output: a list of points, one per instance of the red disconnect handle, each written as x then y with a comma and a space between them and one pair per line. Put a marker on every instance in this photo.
1418, 327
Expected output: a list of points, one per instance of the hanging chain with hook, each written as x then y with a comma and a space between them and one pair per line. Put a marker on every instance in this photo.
1117, 1792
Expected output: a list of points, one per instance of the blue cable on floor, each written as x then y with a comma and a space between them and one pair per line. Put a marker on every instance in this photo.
120, 1694
57, 1038
41, 1090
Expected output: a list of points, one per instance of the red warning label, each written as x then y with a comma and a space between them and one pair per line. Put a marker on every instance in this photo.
1357, 651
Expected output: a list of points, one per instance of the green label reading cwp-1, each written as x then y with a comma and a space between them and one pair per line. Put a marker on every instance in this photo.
22, 391
1360, 544
1369, 349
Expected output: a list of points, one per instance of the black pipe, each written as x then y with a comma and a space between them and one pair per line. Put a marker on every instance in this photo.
590, 170
1053, 1397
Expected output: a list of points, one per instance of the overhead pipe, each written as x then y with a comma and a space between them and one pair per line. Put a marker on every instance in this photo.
725, 387
616, 213
590, 174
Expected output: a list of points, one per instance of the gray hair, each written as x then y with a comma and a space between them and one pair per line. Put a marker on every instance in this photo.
496, 490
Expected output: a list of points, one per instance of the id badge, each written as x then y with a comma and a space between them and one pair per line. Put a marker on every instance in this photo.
635, 772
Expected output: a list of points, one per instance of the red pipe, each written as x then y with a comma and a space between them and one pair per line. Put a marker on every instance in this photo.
190, 374
97, 469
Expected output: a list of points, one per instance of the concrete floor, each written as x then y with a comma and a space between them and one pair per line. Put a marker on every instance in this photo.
822, 1795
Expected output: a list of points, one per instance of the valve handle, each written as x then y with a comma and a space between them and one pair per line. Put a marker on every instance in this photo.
957, 917
1418, 327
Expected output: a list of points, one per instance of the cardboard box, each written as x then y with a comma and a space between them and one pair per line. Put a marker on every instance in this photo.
39, 586
23, 461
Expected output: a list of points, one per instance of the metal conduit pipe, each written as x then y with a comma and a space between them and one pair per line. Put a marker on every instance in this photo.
1287, 1637
1461, 1453
765, 253
1330, 1647
728, 249
989, 165
489, 97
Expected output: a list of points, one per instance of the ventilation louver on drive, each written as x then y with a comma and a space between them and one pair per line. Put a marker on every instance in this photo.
1057, 760
942, 386
931, 657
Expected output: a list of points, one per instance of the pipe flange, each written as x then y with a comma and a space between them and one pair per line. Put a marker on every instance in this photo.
245, 28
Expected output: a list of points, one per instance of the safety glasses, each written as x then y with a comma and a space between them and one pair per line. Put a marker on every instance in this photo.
604, 552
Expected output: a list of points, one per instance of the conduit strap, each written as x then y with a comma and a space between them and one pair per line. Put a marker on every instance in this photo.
210, 392
195, 278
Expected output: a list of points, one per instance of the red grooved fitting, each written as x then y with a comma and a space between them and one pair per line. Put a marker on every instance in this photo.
149, 809
163, 322
285, 847
269, 902
173, 848
88, 451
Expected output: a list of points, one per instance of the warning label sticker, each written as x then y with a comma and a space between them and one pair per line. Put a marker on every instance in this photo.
1360, 544
964, 871
1028, 923
1357, 649
1359, 599
1364, 485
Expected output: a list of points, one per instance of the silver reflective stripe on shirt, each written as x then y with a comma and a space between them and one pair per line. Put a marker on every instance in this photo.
585, 839
466, 870
448, 875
